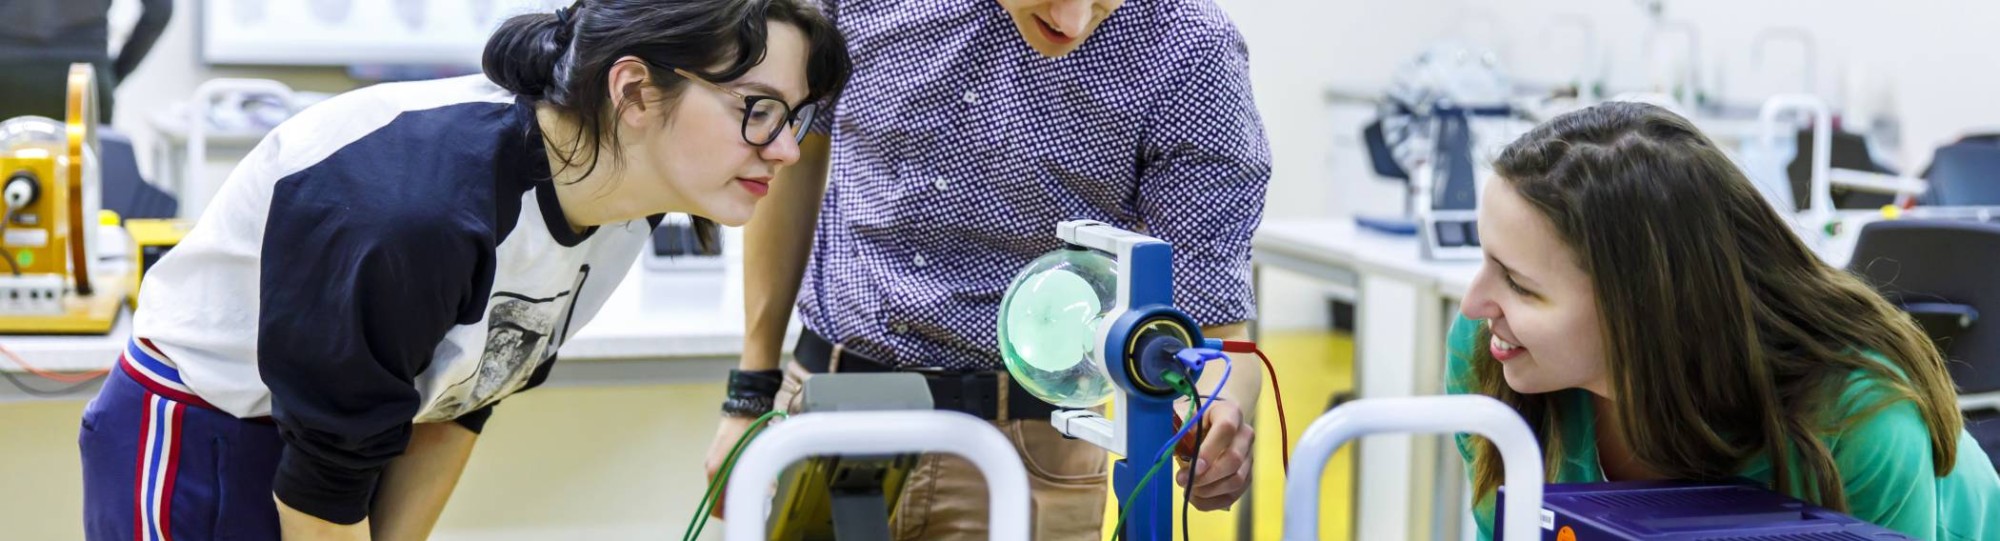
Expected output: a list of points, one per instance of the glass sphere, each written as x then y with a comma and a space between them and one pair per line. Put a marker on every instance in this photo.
1048, 326
31, 132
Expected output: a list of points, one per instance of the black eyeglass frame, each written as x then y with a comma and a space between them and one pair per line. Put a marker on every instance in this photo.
802, 115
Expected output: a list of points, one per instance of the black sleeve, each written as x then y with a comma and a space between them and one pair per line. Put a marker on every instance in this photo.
355, 299
475, 420
153, 18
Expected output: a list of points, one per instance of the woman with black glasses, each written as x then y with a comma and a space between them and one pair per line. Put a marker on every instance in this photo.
316, 358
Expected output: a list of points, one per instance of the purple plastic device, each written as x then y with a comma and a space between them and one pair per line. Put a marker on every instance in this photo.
1671, 511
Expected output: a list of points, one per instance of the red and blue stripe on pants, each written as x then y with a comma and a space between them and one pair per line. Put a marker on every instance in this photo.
200, 473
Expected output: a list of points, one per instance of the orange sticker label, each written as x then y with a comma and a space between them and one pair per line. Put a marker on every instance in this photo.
1566, 534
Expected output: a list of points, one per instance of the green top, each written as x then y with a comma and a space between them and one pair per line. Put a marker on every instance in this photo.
1884, 461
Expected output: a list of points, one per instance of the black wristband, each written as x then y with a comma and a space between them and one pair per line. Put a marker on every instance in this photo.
755, 384
752, 393
746, 407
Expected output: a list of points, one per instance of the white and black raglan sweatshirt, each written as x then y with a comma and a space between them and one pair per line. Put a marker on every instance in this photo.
394, 255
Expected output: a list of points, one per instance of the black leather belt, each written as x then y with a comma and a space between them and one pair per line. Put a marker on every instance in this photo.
985, 395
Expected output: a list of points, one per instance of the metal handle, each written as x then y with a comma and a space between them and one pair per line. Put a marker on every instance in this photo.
878, 433
1418, 415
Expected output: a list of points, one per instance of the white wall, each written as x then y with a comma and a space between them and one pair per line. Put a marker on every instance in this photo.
1938, 59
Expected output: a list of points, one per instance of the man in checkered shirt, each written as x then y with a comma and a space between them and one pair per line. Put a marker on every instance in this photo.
969, 129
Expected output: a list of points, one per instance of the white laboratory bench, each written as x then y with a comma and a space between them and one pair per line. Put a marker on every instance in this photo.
659, 326
1409, 487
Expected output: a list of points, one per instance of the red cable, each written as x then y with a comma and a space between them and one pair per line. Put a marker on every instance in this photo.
1239, 346
1284, 430
44, 374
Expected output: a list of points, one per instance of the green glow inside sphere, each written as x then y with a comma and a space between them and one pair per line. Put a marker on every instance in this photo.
1049, 326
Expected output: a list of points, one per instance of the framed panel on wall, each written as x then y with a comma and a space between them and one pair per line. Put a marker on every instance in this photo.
354, 32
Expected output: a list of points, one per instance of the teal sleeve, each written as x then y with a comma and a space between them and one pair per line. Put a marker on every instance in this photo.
1460, 344
1885, 467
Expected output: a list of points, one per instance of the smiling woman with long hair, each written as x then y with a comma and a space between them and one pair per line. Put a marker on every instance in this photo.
1651, 317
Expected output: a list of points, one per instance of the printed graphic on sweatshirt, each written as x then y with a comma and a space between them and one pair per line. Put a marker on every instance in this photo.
521, 334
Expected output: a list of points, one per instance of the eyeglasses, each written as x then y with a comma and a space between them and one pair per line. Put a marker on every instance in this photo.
765, 116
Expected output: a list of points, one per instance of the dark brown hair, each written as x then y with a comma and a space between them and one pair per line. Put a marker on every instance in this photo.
564, 58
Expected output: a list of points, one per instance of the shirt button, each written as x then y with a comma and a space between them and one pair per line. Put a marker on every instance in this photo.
919, 261
899, 328
941, 183
972, 97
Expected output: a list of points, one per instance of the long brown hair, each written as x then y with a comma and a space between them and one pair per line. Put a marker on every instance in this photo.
1725, 337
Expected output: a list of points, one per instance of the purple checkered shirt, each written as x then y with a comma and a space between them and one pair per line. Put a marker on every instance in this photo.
957, 149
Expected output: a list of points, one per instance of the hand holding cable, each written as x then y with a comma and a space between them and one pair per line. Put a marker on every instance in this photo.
711, 499
1221, 472
751, 394
1277, 396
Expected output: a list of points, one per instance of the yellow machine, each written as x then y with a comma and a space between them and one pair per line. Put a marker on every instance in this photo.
50, 284
151, 239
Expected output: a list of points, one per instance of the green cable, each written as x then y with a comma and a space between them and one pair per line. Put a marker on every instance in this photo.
1179, 384
721, 479
1127, 513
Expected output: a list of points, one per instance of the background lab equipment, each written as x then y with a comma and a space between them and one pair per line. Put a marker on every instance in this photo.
1965, 173
49, 232
1443, 118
